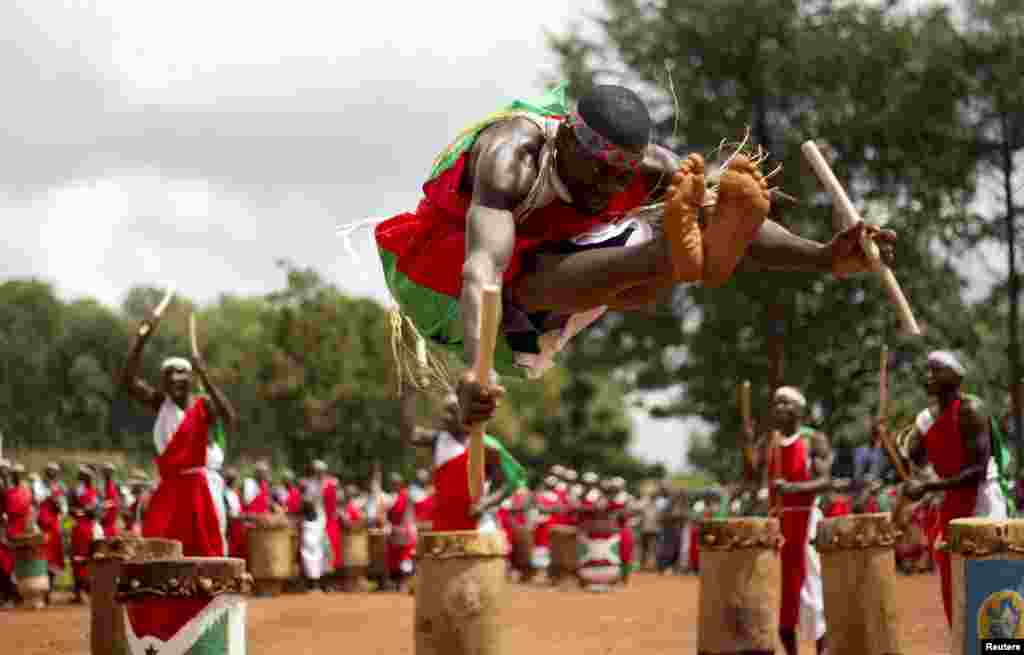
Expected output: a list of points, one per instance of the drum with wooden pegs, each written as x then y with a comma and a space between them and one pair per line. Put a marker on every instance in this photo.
31, 568
740, 585
460, 592
185, 605
987, 567
858, 570
107, 634
271, 553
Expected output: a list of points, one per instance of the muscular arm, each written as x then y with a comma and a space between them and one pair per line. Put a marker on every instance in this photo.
222, 407
504, 169
129, 378
778, 249
821, 467
977, 445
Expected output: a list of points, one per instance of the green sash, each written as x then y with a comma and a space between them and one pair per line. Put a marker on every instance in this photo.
512, 470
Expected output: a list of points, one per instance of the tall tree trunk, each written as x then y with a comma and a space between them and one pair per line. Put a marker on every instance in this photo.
1014, 287
775, 312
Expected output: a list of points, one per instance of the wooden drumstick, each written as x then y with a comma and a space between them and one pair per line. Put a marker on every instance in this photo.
489, 310
192, 334
158, 312
745, 404
883, 416
850, 216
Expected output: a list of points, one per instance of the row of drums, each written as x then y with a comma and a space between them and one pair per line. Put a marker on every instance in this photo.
274, 555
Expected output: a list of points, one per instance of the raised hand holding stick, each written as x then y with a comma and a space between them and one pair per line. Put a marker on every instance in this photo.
148, 325
489, 311
849, 215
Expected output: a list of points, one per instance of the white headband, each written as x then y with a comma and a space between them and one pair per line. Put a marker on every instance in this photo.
176, 362
947, 359
791, 393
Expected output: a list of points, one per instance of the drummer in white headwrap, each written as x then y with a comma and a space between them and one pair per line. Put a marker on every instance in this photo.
956, 441
799, 461
188, 505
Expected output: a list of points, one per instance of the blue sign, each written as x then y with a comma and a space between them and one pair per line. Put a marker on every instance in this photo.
995, 602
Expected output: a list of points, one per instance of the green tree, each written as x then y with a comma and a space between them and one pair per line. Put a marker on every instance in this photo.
852, 76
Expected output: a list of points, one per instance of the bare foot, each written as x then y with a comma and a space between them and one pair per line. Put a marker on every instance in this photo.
742, 205
682, 231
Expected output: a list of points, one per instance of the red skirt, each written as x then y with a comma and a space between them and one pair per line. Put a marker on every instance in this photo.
183, 509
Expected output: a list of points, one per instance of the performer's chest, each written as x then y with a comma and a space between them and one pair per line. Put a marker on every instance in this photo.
943, 442
794, 460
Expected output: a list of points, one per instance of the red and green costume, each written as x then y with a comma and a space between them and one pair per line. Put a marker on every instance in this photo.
423, 252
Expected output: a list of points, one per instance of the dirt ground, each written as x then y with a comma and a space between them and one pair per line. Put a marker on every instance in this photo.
654, 615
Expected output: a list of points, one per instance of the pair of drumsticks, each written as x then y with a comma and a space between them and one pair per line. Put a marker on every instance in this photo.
159, 311
774, 452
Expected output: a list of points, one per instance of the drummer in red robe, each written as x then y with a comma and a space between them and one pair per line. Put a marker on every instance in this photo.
620, 504
52, 509
8, 591
453, 508
956, 441
111, 501
233, 506
799, 461
548, 503
292, 493
188, 505
423, 500
18, 503
401, 550
85, 510
256, 498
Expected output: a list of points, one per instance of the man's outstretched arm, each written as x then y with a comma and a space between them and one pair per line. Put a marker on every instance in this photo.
777, 249
503, 173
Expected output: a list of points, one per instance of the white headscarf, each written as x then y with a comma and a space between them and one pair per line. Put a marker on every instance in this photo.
176, 362
947, 359
791, 393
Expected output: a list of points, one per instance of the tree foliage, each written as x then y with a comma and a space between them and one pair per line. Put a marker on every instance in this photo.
308, 368
882, 88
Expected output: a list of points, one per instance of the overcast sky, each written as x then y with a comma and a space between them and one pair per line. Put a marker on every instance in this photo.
196, 142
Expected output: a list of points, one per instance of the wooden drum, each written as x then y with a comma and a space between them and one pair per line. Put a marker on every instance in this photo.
460, 593
184, 606
271, 553
740, 585
522, 549
858, 570
107, 631
31, 568
356, 548
598, 559
378, 543
563, 552
987, 566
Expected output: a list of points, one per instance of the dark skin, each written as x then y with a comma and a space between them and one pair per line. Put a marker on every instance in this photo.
451, 422
786, 416
175, 382
943, 383
79, 511
502, 168
107, 475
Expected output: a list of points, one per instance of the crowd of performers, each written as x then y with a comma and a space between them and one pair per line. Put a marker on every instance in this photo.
657, 527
